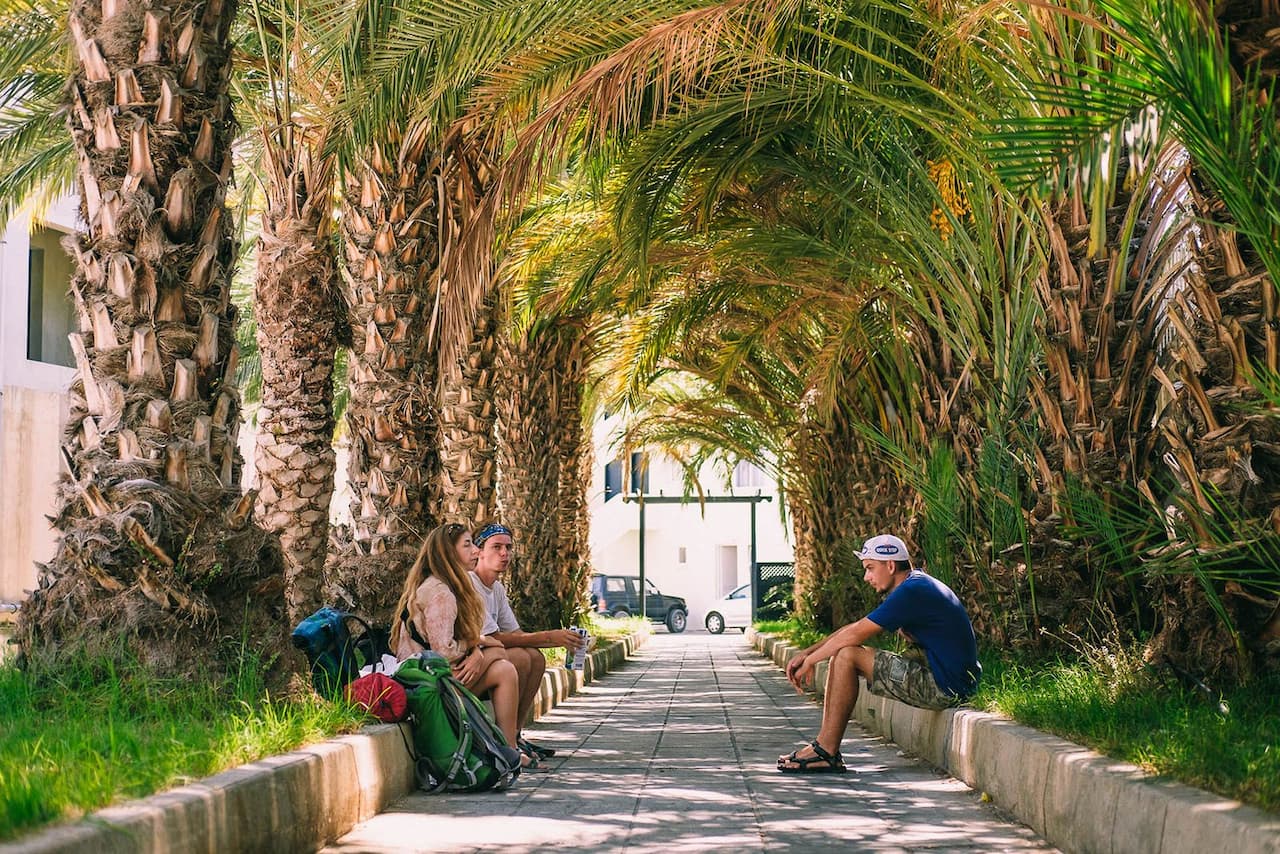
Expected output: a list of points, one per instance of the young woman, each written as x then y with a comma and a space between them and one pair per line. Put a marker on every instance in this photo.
440, 610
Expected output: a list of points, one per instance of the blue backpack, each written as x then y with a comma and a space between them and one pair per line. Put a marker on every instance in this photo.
335, 652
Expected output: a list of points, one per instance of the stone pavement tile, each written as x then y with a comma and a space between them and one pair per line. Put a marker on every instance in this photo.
676, 752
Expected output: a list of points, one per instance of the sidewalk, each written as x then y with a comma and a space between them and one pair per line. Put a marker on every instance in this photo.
676, 752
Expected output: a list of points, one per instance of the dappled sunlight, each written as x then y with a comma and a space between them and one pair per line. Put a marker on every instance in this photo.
669, 755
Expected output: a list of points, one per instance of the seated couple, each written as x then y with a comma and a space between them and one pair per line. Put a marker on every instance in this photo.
920, 608
454, 604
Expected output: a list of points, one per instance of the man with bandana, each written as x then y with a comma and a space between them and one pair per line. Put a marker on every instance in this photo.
921, 609
493, 546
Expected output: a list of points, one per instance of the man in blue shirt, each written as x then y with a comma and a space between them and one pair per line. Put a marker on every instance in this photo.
924, 611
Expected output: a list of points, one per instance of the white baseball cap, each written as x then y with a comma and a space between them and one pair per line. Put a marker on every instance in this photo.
884, 547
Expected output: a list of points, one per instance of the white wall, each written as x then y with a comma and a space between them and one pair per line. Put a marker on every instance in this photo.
700, 530
33, 410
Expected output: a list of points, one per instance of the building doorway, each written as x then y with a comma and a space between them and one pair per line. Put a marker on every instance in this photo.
728, 563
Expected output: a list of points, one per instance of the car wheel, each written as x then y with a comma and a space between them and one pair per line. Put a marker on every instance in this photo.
677, 620
715, 623
621, 613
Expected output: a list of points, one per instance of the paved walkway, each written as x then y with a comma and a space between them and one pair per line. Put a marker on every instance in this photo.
676, 751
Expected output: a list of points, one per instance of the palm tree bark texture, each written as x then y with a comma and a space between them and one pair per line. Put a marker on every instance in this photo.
837, 496
296, 307
467, 418
468, 474
392, 255
155, 542
534, 370
577, 460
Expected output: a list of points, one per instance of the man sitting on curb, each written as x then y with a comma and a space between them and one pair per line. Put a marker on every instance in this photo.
522, 648
925, 612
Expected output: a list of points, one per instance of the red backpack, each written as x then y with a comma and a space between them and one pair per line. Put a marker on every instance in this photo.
383, 696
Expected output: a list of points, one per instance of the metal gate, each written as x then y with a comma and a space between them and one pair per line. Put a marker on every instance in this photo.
766, 576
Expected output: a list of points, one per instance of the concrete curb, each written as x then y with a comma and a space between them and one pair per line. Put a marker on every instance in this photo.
297, 801
1076, 799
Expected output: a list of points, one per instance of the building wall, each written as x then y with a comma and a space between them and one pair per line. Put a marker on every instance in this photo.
701, 531
33, 407
29, 454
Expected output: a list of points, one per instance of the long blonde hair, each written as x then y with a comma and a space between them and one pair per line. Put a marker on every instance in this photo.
438, 557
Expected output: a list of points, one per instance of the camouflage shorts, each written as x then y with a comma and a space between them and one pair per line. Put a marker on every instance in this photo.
908, 680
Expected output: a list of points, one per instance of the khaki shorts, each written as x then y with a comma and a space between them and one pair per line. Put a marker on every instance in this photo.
908, 680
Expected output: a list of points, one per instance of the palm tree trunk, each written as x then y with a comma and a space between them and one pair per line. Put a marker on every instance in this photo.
838, 498
391, 242
577, 460
529, 489
155, 544
297, 313
467, 417
1217, 440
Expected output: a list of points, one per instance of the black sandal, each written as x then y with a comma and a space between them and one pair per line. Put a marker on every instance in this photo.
832, 763
535, 749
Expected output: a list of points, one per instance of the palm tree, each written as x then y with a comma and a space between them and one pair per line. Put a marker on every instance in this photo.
716, 141
391, 250
468, 411
421, 411
296, 305
37, 157
1188, 337
155, 542
545, 352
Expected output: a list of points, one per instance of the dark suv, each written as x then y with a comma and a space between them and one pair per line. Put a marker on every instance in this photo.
617, 595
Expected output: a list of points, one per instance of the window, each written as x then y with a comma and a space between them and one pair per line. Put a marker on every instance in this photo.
684, 555
50, 317
745, 474
612, 479
615, 585
741, 592
639, 472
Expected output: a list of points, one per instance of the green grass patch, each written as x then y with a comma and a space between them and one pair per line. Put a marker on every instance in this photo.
1110, 700
1227, 742
794, 631
91, 734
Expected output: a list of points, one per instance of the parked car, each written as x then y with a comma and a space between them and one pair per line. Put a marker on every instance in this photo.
618, 596
734, 610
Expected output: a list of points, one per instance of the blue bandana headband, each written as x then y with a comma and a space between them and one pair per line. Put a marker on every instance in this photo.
489, 531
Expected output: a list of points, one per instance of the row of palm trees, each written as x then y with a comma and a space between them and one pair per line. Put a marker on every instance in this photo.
998, 274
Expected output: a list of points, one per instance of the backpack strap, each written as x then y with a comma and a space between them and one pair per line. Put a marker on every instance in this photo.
413, 630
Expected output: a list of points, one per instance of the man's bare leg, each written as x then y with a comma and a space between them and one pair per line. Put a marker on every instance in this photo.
841, 694
530, 665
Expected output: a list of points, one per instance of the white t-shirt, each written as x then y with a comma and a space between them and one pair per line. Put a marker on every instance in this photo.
498, 616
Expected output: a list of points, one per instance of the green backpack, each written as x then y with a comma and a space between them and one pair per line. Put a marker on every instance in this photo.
459, 748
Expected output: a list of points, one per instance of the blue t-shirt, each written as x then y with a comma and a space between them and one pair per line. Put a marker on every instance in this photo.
927, 610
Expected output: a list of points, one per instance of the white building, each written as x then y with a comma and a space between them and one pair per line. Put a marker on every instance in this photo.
35, 371
699, 552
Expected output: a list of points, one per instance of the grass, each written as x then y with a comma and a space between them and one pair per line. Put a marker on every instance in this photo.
1108, 699
798, 633
605, 630
92, 734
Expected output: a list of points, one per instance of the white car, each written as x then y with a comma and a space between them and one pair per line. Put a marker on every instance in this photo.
731, 612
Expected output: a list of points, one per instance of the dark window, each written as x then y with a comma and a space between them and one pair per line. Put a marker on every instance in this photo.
50, 317
612, 479
640, 472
